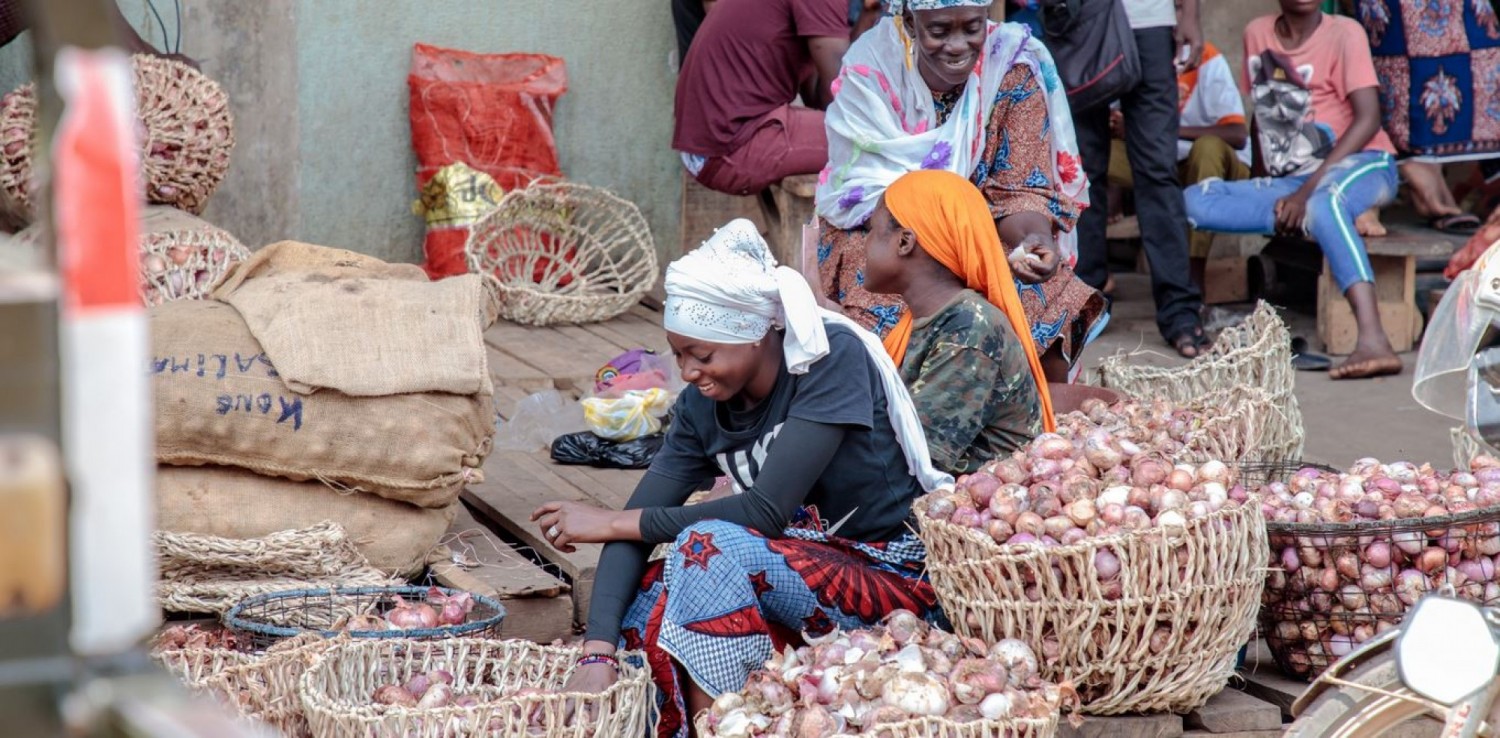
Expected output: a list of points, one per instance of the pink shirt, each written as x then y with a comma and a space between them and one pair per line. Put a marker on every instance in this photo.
1335, 61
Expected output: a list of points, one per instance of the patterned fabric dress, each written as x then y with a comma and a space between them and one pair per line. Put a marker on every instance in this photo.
1439, 67
726, 596
1012, 174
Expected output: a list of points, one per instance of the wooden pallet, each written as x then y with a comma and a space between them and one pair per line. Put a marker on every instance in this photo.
537, 605
1230, 714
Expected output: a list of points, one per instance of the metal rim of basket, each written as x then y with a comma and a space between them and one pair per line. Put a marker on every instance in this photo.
236, 620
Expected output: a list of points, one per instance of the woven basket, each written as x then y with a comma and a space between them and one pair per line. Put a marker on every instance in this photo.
1255, 353
1103, 646
210, 574
337, 690
269, 618
1300, 630
182, 256
185, 128
564, 253
1228, 426
267, 687
197, 667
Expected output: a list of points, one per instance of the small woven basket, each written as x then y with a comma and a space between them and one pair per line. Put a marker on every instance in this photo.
564, 253
197, 667
185, 128
337, 692
265, 619
1167, 642
1308, 628
1254, 353
182, 256
1226, 428
210, 574
267, 688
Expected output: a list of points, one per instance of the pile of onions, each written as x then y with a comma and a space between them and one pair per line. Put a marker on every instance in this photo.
1060, 491
438, 610
193, 637
1328, 592
865, 681
1159, 426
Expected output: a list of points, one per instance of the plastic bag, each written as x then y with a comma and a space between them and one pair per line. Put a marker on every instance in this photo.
491, 112
587, 448
634, 414
637, 369
537, 420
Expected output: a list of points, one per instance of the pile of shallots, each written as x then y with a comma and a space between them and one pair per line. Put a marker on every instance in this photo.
193, 637
436, 611
868, 681
1159, 426
1061, 491
424, 692
1328, 592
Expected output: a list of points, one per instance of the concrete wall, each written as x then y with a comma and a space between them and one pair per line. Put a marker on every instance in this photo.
357, 170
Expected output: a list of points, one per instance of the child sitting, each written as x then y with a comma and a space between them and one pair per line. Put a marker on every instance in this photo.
1321, 157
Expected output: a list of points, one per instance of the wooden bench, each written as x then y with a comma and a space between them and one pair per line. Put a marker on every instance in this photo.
1394, 258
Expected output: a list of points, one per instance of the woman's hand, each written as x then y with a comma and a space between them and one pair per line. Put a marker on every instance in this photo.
1291, 213
1034, 260
592, 679
566, 523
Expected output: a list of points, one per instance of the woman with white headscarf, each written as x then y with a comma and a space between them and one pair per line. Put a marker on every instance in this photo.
807, 416
937, 85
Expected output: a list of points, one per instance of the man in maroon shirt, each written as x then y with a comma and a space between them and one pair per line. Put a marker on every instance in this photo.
737, 129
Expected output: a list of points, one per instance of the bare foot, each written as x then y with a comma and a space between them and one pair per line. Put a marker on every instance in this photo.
1364, 364
1368, 224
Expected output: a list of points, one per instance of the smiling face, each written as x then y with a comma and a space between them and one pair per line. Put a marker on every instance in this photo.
719, 370
949, 42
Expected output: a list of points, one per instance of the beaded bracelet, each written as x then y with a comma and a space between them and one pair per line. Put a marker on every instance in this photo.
598, 658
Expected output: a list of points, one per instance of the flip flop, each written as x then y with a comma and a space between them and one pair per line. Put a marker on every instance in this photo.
1304, 360
1459, 224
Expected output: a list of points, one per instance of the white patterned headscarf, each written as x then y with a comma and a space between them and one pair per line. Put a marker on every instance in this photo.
897, 6
730, 290
882, 122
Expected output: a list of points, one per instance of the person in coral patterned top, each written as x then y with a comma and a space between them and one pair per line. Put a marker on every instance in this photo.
937, 85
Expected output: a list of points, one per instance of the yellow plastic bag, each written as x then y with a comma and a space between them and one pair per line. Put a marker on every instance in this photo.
635, 414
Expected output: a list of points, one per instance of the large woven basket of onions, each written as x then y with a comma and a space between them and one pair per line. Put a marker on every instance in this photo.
468, 686
1138, 585
259, 685
1224, 425
185, 129
1351, 552
1253, 353
183, 257
564, 253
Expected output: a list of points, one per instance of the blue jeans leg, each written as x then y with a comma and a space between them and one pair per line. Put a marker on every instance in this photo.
1246, 206
1352, 186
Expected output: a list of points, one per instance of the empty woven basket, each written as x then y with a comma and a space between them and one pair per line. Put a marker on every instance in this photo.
185, 128
564, 253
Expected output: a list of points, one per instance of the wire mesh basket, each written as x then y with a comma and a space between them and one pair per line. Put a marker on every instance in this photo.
564, 253
1326, 593
1259, 473
263, 620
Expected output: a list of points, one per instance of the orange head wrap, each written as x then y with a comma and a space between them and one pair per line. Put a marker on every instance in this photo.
954, 226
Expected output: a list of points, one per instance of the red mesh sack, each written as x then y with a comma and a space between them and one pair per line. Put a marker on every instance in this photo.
491, 113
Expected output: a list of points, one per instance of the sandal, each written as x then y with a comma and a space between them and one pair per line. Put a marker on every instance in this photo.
1305, 360
1191, 343
1459, 224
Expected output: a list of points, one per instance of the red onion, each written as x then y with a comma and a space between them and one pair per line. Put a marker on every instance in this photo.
1290, 561
1000, 530
1050, 446
1378, 554
1347, 564
412, 615
1022, 539
1375, 578
1073, 536
392, 694
982, 488
437, 695
1480, 569
1106, 564
1410, 586
1030, 523
1432, 560
1009, 471
1147, 471
940, 507
965, 516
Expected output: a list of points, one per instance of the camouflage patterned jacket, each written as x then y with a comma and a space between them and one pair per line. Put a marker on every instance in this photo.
971, 384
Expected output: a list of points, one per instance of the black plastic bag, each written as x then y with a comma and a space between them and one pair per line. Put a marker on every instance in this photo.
588, 449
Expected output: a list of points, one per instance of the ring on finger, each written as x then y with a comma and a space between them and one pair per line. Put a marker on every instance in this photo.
552, 532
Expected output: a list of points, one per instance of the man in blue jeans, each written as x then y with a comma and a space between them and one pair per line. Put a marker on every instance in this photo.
1151, 144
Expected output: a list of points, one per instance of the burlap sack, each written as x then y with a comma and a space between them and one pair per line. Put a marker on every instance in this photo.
219, 400
300, 300
232, 503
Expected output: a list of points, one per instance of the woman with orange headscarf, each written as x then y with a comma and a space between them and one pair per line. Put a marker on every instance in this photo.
978, 388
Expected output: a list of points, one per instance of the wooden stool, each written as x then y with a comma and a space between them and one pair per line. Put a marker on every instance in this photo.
1393, 258
786, 207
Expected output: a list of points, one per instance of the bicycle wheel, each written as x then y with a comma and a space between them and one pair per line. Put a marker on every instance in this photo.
1349, 712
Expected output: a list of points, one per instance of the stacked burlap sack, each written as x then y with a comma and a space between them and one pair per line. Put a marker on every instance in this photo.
323, 385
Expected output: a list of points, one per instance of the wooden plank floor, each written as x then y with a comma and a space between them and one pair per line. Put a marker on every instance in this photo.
524, 360
537, 604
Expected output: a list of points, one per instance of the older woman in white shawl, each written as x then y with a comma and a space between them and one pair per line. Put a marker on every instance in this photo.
938, 86
807, 416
